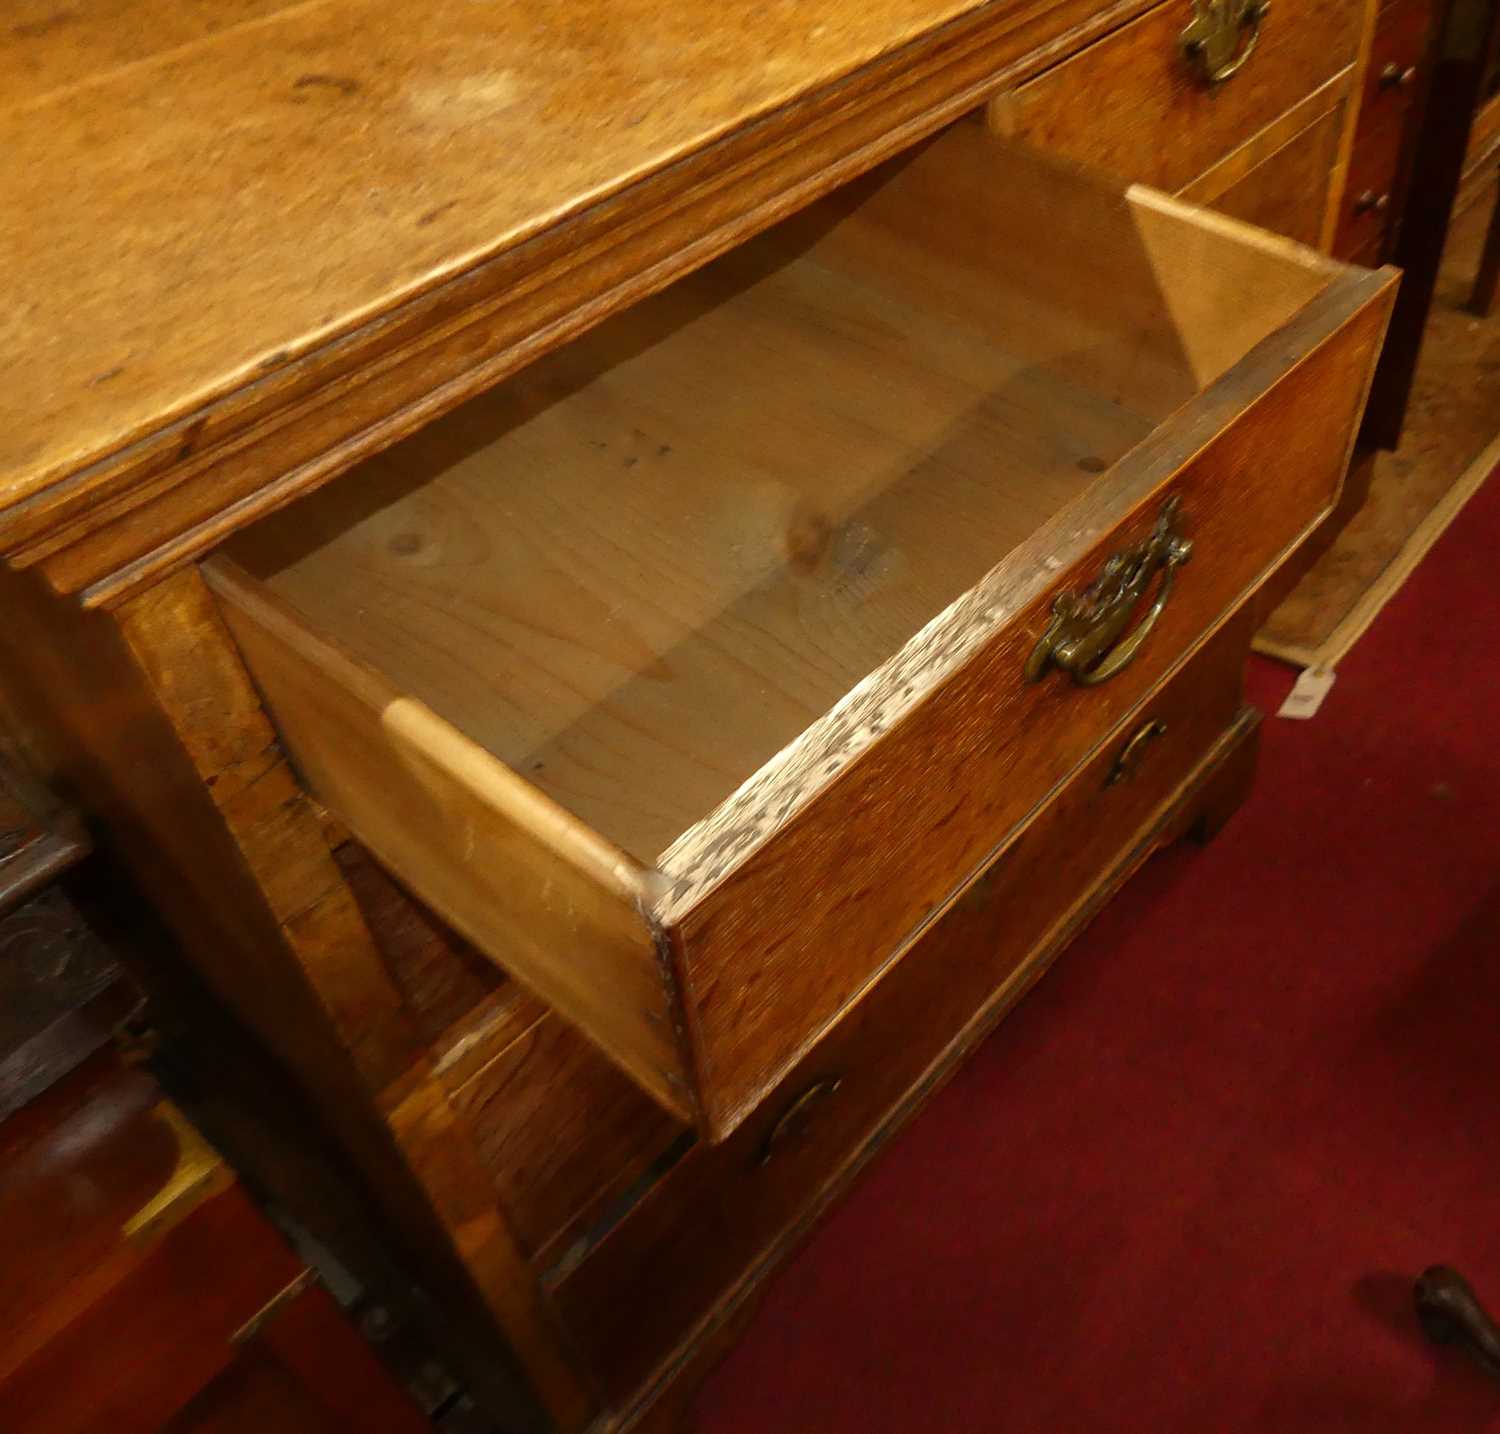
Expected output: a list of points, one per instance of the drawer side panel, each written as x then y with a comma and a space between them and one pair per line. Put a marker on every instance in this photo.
551, 901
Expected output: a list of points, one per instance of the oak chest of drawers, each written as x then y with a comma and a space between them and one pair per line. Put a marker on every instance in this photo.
625, 586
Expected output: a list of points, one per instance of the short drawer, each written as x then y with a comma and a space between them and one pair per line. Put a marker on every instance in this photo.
1398, 53
1393, 78
1287, 192
1136, 104
688, 672
683, 1249
1372, 190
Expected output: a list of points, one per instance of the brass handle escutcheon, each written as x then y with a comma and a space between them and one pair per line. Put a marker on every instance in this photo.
1222, 36
1125, 764
1087, 637
795, 1119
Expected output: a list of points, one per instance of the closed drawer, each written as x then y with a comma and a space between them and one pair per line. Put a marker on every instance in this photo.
703, 1227
687, 673
1398, 52
1370, 194
1287, 192
1135, 104
1393, 78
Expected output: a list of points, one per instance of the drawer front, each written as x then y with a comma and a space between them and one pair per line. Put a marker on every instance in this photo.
1132, 104
1371, 194
784, 943
1393, 78
708, 1223
1398, 53
1287, 192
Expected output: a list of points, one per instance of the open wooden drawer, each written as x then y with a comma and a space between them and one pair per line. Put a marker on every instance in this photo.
690, 670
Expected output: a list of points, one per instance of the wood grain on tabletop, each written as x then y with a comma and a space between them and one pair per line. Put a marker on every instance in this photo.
295, 418
192, 203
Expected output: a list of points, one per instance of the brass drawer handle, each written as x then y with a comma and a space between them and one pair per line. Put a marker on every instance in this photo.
1129, 760
1368, 202
1395, 77
1222, 36
795, 1119
1085, 638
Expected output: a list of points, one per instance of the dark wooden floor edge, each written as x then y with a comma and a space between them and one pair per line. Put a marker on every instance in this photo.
1199, 807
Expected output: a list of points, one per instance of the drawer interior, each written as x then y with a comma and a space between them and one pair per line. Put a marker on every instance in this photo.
685, 672
639, 568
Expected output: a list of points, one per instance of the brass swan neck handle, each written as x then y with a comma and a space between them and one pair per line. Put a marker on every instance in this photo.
1087, 636
1221, 37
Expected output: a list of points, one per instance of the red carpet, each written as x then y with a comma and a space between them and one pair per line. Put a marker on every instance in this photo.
1186, 1186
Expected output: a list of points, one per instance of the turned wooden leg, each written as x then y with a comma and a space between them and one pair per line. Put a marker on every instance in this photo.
1450, 1313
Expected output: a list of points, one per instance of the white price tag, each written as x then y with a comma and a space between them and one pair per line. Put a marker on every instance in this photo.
1307, 695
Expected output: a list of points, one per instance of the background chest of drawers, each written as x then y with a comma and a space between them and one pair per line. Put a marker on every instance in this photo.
1393, 83
620, 664
1266, 144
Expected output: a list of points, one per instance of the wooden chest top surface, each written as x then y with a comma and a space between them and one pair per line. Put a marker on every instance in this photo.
195, 196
